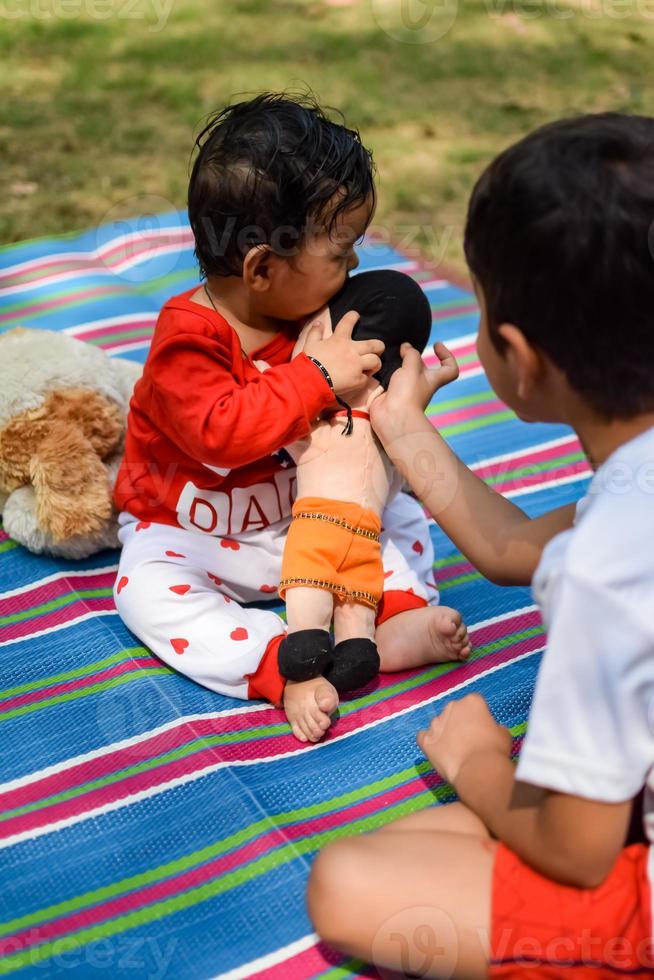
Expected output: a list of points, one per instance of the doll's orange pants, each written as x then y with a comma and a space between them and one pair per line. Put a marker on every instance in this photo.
334, 545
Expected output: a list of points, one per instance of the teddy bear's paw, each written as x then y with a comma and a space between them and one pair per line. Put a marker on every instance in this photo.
21, 523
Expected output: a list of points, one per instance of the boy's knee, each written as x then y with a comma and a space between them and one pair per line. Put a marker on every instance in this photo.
332, 891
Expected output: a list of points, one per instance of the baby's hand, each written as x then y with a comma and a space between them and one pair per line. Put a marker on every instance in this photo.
410, 390
349, 362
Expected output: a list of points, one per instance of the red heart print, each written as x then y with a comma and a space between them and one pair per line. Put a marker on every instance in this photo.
239, 633
180, 589
179, 645
143, 525
174, 554
228, 543
214, 578
388, 574
267, 588
121, 585
417, 547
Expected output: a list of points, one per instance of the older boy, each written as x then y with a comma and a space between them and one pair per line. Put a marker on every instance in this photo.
529, 875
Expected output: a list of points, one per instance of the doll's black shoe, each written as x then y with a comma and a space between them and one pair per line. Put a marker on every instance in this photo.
305, 654
356, 663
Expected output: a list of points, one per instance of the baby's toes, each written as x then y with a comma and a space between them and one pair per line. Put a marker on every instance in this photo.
297, 731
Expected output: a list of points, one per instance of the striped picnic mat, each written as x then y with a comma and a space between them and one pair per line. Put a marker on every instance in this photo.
148, 827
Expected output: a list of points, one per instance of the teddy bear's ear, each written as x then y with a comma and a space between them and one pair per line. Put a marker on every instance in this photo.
70, 482
100, 419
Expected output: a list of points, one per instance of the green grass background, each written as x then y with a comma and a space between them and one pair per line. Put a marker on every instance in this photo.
101, 98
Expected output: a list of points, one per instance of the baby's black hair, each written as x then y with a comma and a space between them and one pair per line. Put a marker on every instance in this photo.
559, 237
266, 169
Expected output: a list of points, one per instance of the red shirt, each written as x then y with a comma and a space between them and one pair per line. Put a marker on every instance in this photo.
204, 423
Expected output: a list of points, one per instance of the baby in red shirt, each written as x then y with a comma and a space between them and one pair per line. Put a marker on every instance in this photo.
278, 197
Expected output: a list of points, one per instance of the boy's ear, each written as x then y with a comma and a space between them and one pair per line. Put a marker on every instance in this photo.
526, 360
258, 268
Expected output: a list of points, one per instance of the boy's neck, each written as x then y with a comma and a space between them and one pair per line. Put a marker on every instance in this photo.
600, 438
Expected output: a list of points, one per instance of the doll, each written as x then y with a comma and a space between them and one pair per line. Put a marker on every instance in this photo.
332, 564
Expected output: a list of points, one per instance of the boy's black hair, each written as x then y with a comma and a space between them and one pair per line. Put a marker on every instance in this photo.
559, 237
265, 169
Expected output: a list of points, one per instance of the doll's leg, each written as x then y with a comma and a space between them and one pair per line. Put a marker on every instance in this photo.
306, 651
413, 628
356, 660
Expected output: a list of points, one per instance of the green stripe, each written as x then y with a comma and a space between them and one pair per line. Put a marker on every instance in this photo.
123, 335
142, 289
58, 603
455, 559
453, 403
8, 545
200, 744
453, 303
85, 691
532, 468
67, 675
460, 580
242, 836
344, 970
254, 869
479, 423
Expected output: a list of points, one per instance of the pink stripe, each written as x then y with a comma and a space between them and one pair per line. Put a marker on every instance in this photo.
453, 571
67, 614
97, 332
143, 338
218, 867
452, 311
525, 459
54, 303
45, 693
537, 479
263, 748
169, 236
172, 738
4, 536
470, 412
53, 590
458, 348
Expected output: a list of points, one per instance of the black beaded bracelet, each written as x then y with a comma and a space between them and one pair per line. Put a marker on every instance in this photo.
321, 367
349, 425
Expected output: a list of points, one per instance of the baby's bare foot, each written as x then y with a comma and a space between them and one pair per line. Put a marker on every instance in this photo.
429, 635
309, 706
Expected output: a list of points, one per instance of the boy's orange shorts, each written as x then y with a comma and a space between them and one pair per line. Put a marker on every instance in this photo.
334, 545
542, 930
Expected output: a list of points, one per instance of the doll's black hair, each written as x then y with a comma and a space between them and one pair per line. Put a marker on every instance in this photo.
393, 308
266, 169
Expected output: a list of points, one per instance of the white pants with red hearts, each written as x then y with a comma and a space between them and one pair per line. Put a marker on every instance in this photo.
182, 592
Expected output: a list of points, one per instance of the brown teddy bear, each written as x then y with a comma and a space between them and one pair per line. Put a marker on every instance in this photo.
63, 409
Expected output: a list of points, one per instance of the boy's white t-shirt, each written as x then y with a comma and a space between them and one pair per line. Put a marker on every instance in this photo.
591, 725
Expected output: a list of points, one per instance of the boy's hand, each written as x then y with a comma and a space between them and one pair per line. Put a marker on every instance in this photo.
410, 390
349, 362
463, 729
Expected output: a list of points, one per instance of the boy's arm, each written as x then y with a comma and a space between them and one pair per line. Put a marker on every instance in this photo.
495, 535
564, 837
